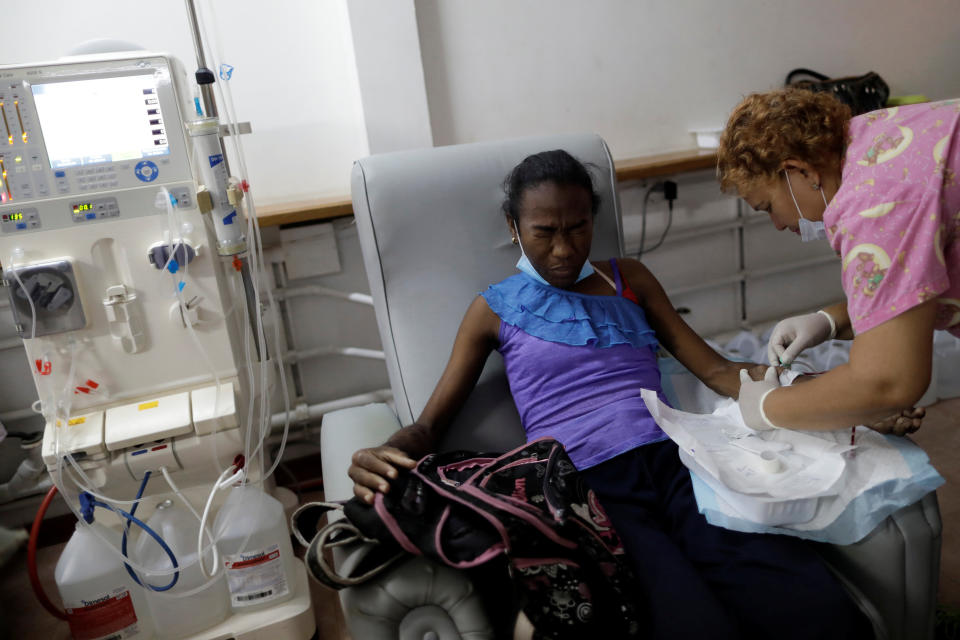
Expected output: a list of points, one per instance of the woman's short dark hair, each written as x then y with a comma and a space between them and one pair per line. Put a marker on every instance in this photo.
557, 166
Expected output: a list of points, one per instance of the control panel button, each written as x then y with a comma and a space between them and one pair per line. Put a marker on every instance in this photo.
146, 171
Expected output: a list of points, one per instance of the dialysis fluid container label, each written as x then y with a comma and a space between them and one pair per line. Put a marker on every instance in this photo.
107, 617
256, 576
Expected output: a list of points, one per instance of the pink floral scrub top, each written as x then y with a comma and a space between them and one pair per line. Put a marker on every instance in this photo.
895, 221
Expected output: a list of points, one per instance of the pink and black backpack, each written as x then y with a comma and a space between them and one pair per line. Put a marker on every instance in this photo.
464, 509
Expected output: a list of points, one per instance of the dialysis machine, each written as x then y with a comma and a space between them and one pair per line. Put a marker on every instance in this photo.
131, 305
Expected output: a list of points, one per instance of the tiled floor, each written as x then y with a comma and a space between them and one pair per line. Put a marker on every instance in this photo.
22, 617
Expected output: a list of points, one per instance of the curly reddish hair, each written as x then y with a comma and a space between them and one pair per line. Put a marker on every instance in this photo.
766, 129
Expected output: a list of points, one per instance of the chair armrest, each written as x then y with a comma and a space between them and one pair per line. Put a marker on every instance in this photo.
412, 600
417, 596
896, 568
341, 434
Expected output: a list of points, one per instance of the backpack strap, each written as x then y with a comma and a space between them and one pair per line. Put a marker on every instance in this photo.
305, 521
341, 533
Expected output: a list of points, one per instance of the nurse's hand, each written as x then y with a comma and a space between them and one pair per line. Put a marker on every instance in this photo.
751, 397
792, 335
900, 424
373, 469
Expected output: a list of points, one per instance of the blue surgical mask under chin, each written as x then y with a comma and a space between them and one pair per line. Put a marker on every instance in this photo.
809, 229
527, 267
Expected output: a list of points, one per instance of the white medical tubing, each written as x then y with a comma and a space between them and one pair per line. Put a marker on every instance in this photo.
175, 235
175, 225
256, 266
200, 549
61, 413
203, 519
232, 240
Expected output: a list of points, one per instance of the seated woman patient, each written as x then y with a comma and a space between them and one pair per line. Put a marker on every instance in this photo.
578, 342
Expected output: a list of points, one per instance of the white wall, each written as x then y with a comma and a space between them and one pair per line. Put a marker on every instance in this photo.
295, 79
641, 73
390, 74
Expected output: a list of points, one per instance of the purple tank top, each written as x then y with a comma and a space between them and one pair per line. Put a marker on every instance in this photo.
576, 364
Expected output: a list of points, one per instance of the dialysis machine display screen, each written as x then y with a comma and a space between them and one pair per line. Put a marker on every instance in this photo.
100, 120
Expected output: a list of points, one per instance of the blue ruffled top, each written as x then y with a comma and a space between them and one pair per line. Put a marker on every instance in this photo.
576, 319
576, 365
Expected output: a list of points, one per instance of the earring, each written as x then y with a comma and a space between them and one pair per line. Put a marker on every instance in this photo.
816, 186
514, 239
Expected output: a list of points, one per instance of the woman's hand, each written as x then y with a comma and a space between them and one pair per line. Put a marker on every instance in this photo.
372, 470
758, 371
902, 423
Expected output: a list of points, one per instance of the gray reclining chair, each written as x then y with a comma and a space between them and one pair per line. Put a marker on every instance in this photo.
432, 237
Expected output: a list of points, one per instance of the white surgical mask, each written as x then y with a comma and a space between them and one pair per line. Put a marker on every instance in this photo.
809, 229
527, 267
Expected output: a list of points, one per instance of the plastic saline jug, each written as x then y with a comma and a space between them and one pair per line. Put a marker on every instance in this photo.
189, 606
101, 599
255, 549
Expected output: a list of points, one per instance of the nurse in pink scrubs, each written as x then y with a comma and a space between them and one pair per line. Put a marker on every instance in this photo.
882, 189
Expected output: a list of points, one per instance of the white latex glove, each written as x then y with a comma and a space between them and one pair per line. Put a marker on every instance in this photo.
793, 335
752, 395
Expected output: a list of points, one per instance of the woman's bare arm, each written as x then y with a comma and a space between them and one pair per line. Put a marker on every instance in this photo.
372, 468
676, 336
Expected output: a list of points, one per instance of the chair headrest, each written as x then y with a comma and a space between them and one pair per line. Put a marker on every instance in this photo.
433, 236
